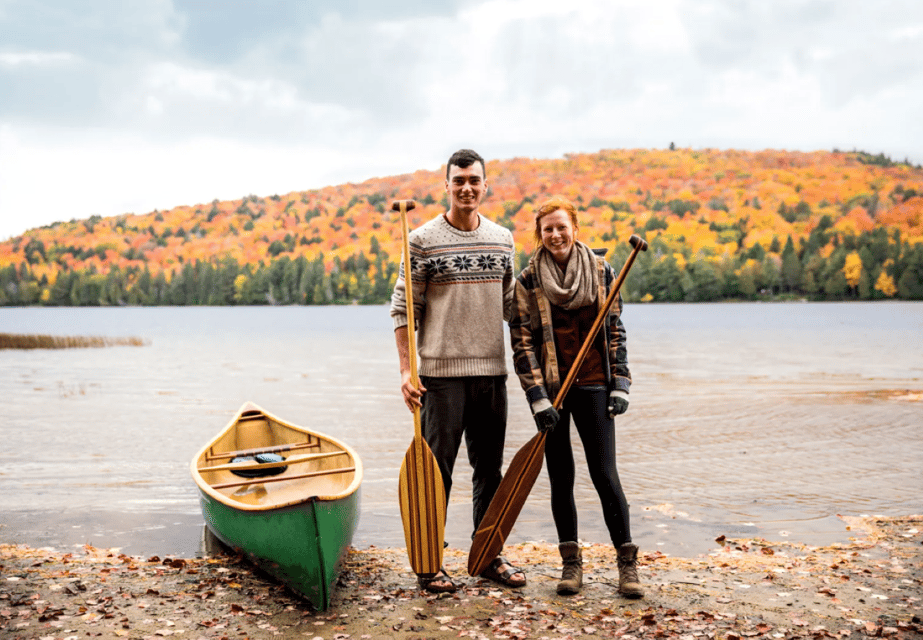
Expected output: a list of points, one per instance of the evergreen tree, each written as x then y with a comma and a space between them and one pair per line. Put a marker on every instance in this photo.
791, 266
61, 290
910, 283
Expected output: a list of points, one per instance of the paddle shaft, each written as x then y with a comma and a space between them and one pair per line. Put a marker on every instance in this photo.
404, 206
637, 245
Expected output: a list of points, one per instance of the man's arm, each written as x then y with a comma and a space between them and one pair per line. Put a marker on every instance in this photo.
509, 283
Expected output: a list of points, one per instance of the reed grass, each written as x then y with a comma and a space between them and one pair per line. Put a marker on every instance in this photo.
25, 341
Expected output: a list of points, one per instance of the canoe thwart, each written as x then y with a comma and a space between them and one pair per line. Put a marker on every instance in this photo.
244, 466
312, 474
252, 452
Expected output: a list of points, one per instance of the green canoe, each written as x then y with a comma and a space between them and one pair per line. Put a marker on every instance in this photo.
284, 496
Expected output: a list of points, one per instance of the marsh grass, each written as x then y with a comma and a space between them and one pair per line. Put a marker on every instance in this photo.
24, 341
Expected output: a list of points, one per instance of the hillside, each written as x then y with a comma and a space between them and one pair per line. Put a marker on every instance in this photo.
721, 224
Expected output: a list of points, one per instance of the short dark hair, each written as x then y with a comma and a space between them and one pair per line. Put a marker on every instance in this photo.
464, 158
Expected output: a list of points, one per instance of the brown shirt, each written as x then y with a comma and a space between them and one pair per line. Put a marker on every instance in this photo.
570, 330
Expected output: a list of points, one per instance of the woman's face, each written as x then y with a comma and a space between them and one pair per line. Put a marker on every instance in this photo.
558, 234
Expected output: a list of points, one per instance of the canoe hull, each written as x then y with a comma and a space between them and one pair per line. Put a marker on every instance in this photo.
302, 546
293, 513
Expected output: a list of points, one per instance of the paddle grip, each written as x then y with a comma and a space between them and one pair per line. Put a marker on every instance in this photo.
409, 205
635, 240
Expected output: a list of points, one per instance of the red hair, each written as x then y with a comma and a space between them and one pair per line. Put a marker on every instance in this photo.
556, 203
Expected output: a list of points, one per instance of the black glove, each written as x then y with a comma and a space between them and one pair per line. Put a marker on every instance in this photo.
546, 419
618, 403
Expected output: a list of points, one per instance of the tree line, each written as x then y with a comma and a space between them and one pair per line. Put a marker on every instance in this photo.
874, 265
282, 281
827, 265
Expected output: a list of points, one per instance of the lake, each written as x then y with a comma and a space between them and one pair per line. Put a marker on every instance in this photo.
745, 420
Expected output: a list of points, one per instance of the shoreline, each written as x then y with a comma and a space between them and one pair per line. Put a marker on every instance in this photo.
658, 527
746, 588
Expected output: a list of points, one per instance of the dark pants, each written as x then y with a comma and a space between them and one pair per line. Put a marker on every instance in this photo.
476, 407
588, 406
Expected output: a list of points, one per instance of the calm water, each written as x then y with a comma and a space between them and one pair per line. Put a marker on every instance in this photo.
745, 419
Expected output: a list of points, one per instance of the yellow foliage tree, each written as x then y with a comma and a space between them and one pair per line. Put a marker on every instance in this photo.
853, 269
885, 284
239, 283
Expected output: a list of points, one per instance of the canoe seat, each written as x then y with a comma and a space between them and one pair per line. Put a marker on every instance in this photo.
251, 494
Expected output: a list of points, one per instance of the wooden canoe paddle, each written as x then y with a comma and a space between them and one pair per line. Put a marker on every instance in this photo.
420, 489
525, 466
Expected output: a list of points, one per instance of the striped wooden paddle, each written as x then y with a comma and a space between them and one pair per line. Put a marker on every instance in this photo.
420, 489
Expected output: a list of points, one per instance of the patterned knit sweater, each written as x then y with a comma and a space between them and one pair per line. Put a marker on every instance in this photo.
463, 286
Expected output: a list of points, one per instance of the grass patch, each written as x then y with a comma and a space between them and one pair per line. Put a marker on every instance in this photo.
25, 341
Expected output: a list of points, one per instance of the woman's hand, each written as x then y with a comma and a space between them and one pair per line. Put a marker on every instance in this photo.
545, 415
618, 403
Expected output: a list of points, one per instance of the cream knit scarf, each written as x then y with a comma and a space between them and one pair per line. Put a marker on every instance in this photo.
571, 289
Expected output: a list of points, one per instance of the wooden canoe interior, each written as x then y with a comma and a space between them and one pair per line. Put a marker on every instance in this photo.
315, 465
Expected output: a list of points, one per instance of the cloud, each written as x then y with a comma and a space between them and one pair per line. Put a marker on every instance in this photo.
223, 99
35, 59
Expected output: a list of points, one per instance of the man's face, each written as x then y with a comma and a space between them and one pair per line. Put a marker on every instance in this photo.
466, 187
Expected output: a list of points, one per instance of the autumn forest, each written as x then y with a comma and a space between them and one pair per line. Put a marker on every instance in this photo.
721, 224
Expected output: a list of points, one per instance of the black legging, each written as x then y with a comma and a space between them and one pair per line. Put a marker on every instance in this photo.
588, 406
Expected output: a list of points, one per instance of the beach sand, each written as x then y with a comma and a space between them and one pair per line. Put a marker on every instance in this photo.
870, 586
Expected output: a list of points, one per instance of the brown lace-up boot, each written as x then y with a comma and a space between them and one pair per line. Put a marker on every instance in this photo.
572, 575
629, 584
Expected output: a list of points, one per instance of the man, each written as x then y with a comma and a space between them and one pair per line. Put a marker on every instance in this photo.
462, 274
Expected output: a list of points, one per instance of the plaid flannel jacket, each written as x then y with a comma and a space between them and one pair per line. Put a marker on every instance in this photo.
532, 337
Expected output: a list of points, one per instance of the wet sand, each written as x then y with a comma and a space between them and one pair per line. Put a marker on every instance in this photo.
869, 586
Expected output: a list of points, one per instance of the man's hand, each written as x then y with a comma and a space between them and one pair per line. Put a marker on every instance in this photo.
411, 395
618, 403
545, 415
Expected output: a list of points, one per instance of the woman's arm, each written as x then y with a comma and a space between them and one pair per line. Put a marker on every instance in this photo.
618, 340
526, 354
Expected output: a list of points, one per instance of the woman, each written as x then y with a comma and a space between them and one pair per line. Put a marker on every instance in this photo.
558, 297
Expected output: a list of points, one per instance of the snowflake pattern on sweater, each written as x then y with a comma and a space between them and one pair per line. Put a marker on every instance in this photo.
442, 265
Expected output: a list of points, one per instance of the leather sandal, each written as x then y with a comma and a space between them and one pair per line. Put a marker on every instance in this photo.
442, 576
492, 572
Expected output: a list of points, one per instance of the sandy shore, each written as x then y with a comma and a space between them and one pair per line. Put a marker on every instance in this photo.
746, 588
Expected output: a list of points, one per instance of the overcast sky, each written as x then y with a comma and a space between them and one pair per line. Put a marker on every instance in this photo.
126, 106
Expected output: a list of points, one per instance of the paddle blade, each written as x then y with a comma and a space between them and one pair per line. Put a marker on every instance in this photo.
422, 499
506, 504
